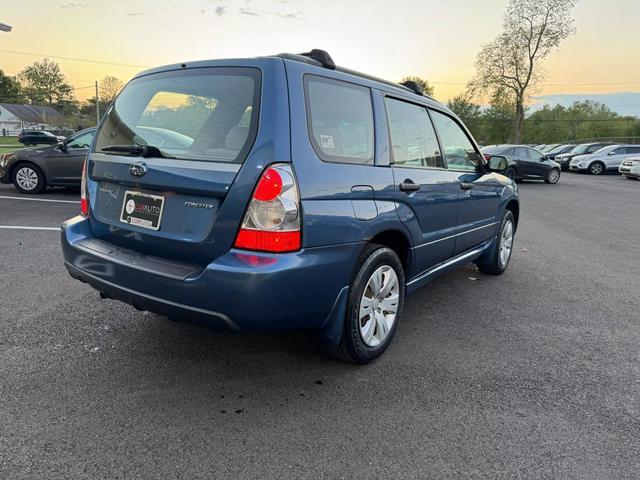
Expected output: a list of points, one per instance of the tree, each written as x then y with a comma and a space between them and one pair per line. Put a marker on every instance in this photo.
44, 83
532, 29
497, 119
427, 89
10, 89
109, 88
470, 113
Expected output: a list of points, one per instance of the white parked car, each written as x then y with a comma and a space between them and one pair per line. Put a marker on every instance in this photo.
604, 160
630, 168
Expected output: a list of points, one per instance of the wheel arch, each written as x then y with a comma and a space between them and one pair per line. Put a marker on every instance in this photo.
514, 207
397, 241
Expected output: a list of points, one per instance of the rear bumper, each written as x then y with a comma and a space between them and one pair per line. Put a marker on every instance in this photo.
238, 291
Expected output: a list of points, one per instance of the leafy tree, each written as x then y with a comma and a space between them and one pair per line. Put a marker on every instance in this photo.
109, 88
470, 113
427, 89
10, 89
532, 29
497, 120
44, 83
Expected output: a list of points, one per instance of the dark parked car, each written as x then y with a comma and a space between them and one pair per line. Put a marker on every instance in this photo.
559, 150
38, 137
31, 170
526, 163
564, 159
308, 196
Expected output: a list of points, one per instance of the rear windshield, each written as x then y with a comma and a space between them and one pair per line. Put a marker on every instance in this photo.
199, 114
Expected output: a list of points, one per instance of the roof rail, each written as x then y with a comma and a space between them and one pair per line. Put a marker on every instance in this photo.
321, 58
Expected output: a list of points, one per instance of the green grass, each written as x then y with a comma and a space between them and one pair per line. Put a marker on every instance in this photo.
9, 141
8, 149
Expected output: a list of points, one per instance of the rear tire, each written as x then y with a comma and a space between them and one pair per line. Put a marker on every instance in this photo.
28, 178
553, 176
376, 298
596, 168
500, 255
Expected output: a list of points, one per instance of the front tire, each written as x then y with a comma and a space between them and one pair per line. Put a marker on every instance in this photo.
511, 173
28, 178
498, 259
596, 168
376, 298
553, 176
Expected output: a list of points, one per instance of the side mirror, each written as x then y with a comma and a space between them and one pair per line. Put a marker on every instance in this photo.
62, 146
498, 163
612, 154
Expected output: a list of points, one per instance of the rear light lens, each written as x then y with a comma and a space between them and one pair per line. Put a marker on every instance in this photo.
84, 194
272, 220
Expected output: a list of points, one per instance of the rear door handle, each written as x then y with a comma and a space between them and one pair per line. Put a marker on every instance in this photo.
466, 186
409, 186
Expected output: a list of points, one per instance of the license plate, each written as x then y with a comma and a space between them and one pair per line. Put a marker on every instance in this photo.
142, 210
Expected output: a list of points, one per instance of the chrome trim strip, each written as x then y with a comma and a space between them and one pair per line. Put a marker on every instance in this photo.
169, 162
457, 234
446, 264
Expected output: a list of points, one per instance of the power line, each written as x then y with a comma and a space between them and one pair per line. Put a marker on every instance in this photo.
73, 59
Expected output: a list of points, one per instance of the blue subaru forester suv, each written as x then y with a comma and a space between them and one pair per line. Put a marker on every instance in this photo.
284, 192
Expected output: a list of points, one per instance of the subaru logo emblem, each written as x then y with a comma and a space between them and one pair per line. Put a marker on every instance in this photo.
137, 169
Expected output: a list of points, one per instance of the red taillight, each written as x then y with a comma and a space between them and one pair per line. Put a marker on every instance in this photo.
269, 186
268, 241
272, 220
84, 194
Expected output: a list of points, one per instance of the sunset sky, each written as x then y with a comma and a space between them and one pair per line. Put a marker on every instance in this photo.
435, 39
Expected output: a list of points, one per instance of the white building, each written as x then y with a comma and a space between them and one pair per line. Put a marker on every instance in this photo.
14, 117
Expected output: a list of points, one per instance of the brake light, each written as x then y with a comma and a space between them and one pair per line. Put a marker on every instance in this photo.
84, 194
272, 220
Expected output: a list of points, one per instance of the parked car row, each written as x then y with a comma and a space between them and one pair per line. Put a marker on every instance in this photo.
606, 159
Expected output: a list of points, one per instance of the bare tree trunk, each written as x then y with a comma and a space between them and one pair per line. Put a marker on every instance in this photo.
518, 121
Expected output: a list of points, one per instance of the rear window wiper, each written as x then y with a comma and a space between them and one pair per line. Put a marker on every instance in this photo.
138, 150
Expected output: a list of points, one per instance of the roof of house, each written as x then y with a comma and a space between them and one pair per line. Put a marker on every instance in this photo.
31, 113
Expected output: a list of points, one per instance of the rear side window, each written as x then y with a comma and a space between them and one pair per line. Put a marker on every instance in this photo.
459, 152
594, 148
340, 120
413, 138
197, 114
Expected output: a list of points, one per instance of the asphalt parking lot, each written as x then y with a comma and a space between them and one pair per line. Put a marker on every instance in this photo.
534, 374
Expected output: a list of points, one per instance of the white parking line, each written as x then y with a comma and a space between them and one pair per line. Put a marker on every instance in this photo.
20, 227
38, 199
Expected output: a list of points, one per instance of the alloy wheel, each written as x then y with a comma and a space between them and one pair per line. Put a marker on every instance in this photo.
379, 306
506, 243
27, 178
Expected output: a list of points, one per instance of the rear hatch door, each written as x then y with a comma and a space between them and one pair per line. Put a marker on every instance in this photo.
167, 159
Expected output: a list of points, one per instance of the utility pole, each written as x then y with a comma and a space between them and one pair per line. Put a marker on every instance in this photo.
97, 106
